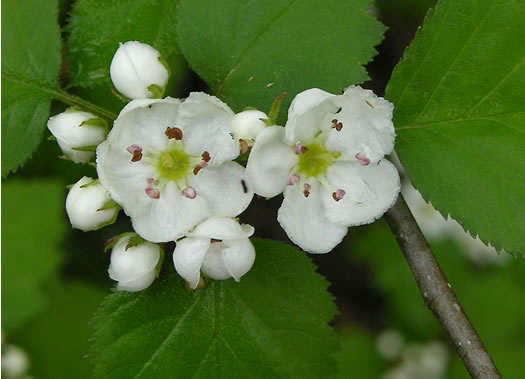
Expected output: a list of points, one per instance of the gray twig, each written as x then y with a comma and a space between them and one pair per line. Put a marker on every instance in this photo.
437, 292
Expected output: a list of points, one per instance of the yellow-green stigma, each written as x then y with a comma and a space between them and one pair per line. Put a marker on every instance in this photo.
174, 164
315, 159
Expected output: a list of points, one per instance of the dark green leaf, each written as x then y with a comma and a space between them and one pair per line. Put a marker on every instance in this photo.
460, 116
252, 52
97, 26
271, 324
30, 66
31, 230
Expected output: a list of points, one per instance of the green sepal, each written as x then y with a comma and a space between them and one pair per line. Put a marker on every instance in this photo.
113, 219
249, 108
85, 148
135, 241
96, 122
274, 111
110, 204
119, 96
94, 182
51, 138
156, 90
161, 260
110, 244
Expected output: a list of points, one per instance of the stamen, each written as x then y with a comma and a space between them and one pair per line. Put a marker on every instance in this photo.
206, 156
136, 151
173, 133
244, 186
337, 125
307, 188
199, 167
339, 194
370, 104
189, 192
300, 148
244, 146
294, 178
339, 110
152, 193
361, 158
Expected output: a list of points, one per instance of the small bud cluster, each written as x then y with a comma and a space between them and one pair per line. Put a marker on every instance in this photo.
173, 166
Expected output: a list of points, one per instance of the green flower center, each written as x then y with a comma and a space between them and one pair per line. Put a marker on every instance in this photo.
316, 160
174, 164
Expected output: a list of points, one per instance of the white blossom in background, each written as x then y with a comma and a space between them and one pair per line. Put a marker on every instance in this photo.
168, 163
138, 72
219, 246
246, 125
89, 206
134, 267
329, 162
15, 362
435, 227
77, 133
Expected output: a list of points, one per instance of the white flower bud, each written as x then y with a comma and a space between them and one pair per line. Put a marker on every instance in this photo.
89, 205
247, 124
134, 268
15, 362
137, 72
76, 136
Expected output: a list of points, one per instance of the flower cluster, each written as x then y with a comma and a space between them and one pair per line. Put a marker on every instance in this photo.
170, 165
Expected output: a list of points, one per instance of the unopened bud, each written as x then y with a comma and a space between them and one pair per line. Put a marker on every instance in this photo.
138, 71
77, 133
134, 267
89, 205
247, 124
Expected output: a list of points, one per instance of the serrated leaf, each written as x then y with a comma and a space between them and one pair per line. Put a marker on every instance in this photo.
271, 324
32, 227
252, 52
97, 26
460, 116
30, 65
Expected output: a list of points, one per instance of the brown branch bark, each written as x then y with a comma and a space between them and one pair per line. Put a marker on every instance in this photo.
438, 294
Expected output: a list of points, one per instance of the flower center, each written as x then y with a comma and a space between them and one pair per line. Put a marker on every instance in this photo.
174, 164
315, 159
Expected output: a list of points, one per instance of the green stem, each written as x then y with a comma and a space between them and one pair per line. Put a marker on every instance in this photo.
86, 105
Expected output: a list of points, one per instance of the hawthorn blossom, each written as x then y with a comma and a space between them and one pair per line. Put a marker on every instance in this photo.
167, 162
219, 246
329, 162
135, 267
138, 71
246, 125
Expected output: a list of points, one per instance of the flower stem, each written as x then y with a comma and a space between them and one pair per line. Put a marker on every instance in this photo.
438, 294
85, 105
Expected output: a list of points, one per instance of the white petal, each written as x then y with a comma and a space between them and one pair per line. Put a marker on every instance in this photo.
225, 188
239, 256
138, 284
369, 191
205, 122
144, 122
367, 125
169, 217
222, 228
188, 257
304, 220
213, 265
270, 162
134, 262
307, 115
136, 66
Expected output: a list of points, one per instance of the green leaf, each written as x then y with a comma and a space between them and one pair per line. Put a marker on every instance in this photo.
252, 52
57, 339
97, 26
271, 324
30, 65
460, 116
32, 228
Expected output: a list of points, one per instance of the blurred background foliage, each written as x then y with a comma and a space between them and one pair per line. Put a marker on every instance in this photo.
54, 278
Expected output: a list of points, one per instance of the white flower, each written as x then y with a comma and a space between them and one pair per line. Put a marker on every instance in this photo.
77, 133
329, 161
247, 125
15, 362
168, 164
89, 206
135, 267
219, 246
137, 71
